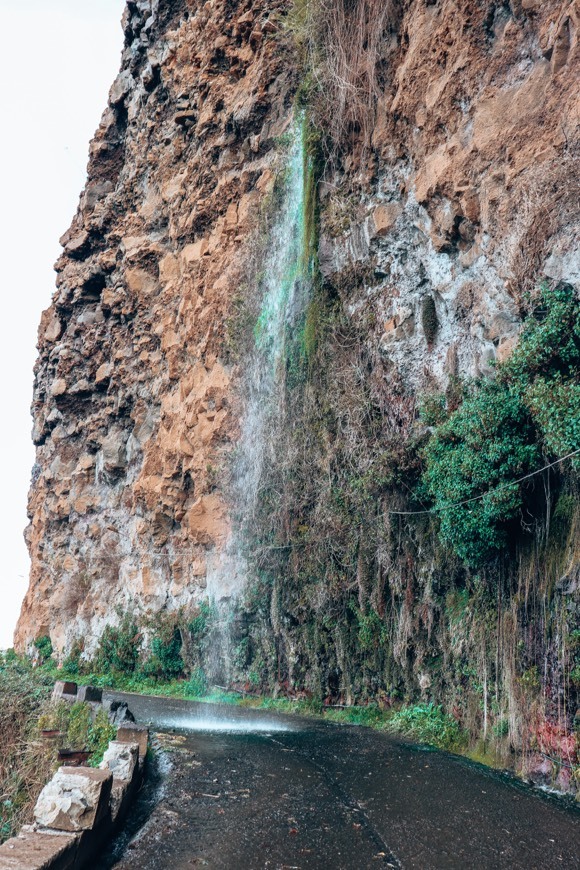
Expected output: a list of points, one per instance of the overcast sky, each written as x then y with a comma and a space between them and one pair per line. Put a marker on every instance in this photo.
57, 62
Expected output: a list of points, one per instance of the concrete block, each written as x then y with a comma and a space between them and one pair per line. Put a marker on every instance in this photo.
134, 733
75, 799
121, 795
64, 691
122, 759
90, 694
39, 851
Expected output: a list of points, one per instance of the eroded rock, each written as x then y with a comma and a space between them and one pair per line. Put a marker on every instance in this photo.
75, 799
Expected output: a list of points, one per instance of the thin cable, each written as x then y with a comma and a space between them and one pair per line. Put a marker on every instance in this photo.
483, 494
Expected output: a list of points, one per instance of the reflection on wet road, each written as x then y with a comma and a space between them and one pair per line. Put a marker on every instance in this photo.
261, 790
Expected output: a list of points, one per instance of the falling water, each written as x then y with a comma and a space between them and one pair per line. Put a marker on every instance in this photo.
284, 290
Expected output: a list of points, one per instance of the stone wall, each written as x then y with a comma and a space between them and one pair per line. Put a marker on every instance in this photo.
79, 809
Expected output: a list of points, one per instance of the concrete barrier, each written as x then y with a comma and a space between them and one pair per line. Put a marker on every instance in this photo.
81, 807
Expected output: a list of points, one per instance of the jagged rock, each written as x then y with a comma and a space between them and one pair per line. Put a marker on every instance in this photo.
123, 84
384, 218
75, 799
119, 713
121, 759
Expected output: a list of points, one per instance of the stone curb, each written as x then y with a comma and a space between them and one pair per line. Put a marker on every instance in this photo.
80, 808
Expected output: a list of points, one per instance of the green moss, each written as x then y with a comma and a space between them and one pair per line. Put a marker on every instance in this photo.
429, 319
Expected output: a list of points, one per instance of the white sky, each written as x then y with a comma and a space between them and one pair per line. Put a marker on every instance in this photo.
58, 59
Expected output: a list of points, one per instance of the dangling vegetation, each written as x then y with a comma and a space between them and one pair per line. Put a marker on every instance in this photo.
505, 429
26, 760
341, 46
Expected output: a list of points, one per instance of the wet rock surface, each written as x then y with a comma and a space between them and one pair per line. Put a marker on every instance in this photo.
466, 197
321, 796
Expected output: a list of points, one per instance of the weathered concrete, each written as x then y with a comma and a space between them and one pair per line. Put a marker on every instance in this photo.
64, 691
39, 851
90, 694
75, 799
134, 733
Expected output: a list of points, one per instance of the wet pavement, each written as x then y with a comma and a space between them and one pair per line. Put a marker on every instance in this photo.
273, 791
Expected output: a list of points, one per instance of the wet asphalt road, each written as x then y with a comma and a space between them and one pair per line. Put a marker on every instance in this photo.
331, 796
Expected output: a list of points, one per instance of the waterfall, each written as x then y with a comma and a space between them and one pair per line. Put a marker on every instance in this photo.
284, 290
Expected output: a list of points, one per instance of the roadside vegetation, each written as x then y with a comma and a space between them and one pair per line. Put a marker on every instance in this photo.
27, 756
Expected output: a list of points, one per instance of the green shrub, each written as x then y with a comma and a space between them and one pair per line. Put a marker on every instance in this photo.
503, 429
165, 660
544, 369
44, 647
72, 664
99, 734
478, 452
428, 723
78, 722
199, 625
372, 631
433, 409
120, 647
197, 684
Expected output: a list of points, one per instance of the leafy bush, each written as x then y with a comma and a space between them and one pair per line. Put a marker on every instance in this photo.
77, 722
165, 660
479, 451
197, 684
428, 723
544, 369
119, 647
503, 428
44, 647
73, 664
199, 624
99, 734
372, 631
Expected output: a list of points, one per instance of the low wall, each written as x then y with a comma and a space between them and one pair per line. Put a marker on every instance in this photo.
81, 808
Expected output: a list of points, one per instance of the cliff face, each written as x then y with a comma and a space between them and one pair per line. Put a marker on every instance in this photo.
133, 406
428, 238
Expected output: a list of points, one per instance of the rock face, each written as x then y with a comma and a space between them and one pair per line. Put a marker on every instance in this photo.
133, 405
464, 199
468, 199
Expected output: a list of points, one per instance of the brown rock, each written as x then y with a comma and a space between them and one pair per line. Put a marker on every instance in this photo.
384, 218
